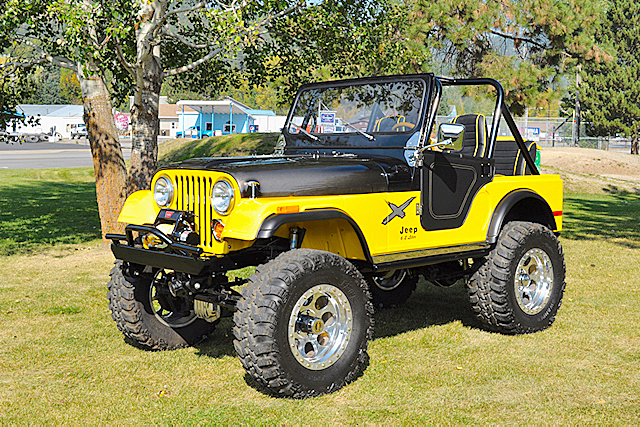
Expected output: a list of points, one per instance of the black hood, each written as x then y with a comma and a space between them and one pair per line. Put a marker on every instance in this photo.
308, 175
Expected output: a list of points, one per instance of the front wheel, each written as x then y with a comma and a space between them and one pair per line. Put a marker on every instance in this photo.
147, 313
518, 288
303, 324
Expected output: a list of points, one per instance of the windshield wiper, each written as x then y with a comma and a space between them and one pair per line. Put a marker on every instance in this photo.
361, 132
313, 137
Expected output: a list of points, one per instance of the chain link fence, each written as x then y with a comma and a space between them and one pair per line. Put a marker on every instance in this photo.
561, 132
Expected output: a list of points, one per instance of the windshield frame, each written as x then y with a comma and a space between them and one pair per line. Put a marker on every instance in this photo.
353, 138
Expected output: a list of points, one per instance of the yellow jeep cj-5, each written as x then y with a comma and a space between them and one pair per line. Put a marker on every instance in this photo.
373, 183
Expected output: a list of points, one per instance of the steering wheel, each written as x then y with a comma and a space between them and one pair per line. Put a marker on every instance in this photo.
402, 125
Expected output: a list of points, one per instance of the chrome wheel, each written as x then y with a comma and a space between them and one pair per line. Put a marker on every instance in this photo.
320, 327
170, 310
533, 281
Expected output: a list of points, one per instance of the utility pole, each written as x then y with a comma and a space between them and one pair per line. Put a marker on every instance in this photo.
578, 81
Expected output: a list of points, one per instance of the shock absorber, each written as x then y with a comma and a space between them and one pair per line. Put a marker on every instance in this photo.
293, 237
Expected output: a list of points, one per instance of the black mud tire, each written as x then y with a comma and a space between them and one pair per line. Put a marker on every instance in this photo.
267, 305
131, 309
393, 290
493, 287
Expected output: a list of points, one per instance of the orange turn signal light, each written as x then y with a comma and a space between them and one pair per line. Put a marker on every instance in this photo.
288, 209
217, 227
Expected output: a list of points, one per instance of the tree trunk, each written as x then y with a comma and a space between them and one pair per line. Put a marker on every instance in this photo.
108, 162
634, 143
145, 127
144, 111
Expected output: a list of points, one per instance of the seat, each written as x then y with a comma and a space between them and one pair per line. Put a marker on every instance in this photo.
475, 134
387, 123
508, 159
521, 165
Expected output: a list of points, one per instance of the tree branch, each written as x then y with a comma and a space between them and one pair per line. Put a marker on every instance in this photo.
169, 14
60, 61
128, 66
193, 65
24, 64
184, 40
214, 52
104, 42
516, 38
278, 15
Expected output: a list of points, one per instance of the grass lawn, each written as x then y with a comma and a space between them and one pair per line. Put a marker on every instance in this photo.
238, 144
62, 360
45, 208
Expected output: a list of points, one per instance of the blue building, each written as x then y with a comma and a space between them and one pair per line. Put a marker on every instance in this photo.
199, 119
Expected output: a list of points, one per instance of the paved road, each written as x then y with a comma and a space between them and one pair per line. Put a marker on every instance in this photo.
45, 155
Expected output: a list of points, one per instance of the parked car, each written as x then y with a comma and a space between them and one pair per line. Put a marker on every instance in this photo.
78, 131
190, 132
338, 220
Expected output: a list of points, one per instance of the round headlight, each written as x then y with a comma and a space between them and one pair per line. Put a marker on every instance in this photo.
163, 191
222, 197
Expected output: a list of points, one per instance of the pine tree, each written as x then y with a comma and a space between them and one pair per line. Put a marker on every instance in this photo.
529, 45
611, 90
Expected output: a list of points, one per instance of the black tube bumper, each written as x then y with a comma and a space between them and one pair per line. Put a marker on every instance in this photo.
123, 248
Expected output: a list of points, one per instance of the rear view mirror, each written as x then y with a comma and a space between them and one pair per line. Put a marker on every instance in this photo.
450, 135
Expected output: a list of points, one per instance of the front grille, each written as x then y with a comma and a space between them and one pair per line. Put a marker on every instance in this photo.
192, 194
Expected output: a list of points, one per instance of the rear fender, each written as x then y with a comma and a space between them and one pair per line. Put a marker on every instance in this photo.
521, 205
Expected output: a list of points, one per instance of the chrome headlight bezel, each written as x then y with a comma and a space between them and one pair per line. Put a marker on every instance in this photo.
222, 197
163, 199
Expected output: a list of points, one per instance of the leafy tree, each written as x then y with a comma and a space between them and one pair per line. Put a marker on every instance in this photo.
74, 35
526, 44
158, 39
151, 40
69, 88
14, 87
611, 90
45, 83
334, 39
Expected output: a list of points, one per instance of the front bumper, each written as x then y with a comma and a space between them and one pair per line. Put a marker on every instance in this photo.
176, 256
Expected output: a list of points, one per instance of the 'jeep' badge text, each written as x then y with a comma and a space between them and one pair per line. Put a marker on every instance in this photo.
396, 211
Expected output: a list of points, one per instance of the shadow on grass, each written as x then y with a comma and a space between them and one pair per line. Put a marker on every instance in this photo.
428, 306
220, 342
34, 214
600, 217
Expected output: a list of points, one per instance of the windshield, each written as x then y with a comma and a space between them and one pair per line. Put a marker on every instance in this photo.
366, 109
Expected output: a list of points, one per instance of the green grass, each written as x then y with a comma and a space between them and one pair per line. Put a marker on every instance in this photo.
62, 360
45, 208
228, 145
613, 217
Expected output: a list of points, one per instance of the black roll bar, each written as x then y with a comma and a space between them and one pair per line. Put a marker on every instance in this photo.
501, 108
516, 133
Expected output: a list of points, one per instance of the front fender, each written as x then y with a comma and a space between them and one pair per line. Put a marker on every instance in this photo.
139, 209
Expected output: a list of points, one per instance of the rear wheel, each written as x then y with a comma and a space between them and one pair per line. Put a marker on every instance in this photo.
303, 324
149, 315
392, 288
519, 287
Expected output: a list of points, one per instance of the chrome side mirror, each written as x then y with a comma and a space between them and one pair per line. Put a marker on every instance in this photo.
450, 135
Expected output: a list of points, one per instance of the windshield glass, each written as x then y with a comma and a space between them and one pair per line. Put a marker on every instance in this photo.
367, 109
